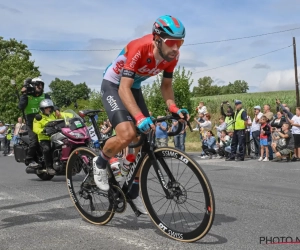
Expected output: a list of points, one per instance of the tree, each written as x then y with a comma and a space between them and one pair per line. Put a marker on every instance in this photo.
204, 87
65, 92
80, 91
241, 86
181, 86
61, 92
153, 98
15, 64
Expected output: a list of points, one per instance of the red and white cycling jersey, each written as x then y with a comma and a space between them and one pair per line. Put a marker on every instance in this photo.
137, 61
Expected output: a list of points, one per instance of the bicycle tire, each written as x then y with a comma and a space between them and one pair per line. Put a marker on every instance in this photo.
75, 196
209, 208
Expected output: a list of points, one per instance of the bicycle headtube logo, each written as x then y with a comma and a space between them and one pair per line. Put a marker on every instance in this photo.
112, 102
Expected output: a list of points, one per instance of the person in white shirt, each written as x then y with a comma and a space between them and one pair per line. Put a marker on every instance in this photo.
2, 135
295, 123
201, 108
17, 129
255, 129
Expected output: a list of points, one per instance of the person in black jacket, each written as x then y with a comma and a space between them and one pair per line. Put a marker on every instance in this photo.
32, 95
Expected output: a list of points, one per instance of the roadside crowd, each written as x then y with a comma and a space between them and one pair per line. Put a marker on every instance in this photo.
274, 137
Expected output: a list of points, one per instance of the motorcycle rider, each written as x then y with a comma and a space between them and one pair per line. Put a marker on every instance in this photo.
46, 108
32, 95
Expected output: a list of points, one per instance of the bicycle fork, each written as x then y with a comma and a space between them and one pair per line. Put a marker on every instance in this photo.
160, 176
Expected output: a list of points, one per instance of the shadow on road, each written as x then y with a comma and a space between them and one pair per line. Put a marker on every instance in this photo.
131, 222
34, 202
55, 214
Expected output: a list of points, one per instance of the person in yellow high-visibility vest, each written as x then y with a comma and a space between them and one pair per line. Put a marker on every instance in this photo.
238, 139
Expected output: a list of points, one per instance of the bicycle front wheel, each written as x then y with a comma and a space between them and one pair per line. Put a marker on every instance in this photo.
185, 210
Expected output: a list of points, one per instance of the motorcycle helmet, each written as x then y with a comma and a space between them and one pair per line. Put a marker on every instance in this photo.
45, 104
37, 81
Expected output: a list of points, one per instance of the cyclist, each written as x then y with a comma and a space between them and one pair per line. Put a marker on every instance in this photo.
122, 96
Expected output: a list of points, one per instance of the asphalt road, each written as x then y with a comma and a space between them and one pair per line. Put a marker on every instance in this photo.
253, 200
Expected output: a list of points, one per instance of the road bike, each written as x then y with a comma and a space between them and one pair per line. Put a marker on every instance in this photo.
175, 190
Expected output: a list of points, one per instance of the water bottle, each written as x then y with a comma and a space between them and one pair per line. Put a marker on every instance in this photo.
130, 158
115, 166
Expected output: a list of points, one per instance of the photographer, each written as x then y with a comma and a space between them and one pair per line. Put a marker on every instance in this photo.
229, 115
32, 95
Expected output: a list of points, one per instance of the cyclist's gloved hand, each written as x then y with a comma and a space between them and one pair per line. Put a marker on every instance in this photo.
185, 111
143, 123
174, 109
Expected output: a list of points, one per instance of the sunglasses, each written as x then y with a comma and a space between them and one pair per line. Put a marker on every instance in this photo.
171, 42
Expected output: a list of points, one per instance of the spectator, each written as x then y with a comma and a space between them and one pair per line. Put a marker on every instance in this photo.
247, 138
285, 145
268, 113
228, 147
2, 136
229, 115
270, 117
278, 121
178, 139
238, 140
161, 133
295, 123
17, 129
206, 125
8, 137
201, 108
209, 145
199, 120
222, 126
265, 131
285, 109
106, 129
255, 129
224, 142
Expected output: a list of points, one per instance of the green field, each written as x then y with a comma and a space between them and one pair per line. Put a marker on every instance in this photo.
249, 101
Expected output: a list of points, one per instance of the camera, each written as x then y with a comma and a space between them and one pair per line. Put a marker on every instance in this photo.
30, 87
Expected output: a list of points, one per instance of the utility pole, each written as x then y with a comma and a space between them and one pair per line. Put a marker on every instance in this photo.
296, 73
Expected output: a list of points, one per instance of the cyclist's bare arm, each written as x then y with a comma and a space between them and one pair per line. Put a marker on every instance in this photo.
127, 97
167, 92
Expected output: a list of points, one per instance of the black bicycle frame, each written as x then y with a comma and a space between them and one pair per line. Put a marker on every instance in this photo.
148, 147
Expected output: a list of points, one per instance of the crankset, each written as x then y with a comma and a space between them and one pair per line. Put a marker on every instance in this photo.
119, 198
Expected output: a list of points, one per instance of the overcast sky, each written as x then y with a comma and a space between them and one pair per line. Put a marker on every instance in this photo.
92, 24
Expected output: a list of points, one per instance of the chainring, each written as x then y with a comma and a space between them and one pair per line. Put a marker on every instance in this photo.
119, 199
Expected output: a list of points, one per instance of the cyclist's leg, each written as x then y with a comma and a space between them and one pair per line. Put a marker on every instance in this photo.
125, 132
134, 191
119, 118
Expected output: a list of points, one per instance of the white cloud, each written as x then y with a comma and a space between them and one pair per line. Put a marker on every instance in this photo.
279, 80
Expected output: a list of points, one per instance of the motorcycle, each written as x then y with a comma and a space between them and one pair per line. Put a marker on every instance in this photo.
66, 135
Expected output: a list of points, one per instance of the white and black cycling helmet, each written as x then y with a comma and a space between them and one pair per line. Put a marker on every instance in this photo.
45, 104
37, 81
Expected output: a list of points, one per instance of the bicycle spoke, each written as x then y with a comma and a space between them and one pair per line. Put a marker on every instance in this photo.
183, 210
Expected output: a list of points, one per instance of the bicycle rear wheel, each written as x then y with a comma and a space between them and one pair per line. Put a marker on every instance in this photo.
93, 204
187, 212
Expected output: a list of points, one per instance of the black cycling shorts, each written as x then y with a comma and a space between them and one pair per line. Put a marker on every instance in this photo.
115, 108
